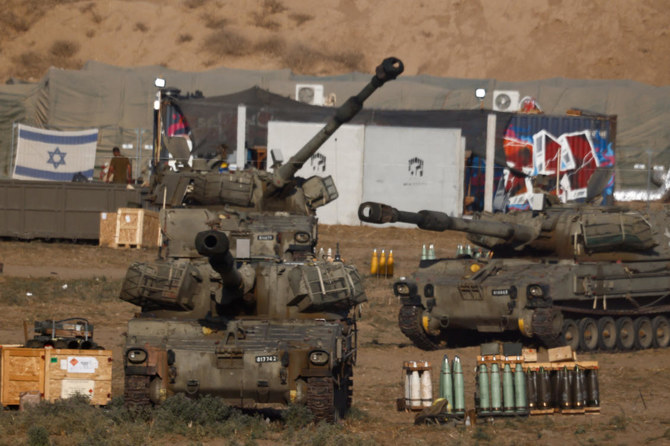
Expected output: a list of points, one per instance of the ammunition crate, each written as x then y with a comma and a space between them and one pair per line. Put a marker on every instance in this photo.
55, 374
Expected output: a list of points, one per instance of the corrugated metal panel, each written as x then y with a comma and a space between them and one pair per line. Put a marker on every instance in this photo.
38, 209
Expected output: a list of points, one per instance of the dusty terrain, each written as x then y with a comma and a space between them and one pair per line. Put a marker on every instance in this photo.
634, 386
512, 40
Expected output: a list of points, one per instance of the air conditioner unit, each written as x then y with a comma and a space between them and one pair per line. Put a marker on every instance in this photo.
506, 100
309, 93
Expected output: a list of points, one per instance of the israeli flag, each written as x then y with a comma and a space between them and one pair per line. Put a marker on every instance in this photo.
54, 155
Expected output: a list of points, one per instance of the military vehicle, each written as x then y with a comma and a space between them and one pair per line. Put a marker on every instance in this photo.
71, 333
238, 305
594, 278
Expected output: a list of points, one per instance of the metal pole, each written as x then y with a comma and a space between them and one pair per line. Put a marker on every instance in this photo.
12, 159
490, 162
241, 153
137, 153
648, 177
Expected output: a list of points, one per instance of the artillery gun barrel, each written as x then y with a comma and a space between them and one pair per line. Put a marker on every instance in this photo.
216, 247
378, 213
389, 69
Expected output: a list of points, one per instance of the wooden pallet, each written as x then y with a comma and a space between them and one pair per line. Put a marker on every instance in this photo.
553, 366
500, 360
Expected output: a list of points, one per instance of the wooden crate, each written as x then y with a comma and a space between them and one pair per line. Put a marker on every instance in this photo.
107, 229
564, 353
69, 372
21, 370
55, 374
130, 228
137, 228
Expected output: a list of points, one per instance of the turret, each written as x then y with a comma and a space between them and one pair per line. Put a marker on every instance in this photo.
260, 191
569, 232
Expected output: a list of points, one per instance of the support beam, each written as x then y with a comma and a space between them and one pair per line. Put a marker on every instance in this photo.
490, 162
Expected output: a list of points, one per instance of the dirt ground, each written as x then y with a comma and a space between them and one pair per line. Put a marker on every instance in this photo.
634, 386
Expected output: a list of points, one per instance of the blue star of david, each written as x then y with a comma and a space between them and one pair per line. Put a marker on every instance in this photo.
61, 158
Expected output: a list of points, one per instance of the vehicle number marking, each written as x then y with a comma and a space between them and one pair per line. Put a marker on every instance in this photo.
503, 292
266, 237
267, 358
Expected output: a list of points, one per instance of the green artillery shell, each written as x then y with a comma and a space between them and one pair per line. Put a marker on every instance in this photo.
593, 390
531, 387
446, 383
496, 396
459, 386
484, 397
508, 389
520, 401
543, 389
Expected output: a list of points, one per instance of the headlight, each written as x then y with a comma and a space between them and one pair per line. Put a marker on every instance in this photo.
319, 357
302, 237
136, 355
535, 291
401, 289
404, 287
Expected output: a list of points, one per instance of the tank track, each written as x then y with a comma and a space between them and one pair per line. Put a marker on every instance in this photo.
543, 327
409, 320
321, 398
136, 390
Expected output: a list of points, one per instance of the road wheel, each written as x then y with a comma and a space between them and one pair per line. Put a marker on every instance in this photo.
644, 333
570, 334
588, 334
661, 328
625, 333
321, 399
606, 333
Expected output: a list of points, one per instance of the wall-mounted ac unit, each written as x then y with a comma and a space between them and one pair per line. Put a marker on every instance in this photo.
309, 93
506, 100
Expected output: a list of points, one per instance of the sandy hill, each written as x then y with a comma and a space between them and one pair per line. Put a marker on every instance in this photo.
511, 40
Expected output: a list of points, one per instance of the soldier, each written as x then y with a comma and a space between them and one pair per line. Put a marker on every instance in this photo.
119, 167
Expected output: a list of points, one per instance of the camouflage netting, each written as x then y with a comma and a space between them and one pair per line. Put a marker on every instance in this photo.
118, 101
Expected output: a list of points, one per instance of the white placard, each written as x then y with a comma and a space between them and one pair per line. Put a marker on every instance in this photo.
72, 387
81, 364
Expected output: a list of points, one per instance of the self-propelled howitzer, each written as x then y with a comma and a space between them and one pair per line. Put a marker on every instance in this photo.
240, 307
260, 191
590, 277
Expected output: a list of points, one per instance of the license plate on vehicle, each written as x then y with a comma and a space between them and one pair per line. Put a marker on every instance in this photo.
267, 358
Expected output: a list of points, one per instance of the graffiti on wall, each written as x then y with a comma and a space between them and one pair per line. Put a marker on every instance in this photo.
561, 164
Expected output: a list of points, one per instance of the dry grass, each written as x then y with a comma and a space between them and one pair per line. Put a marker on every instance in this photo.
141, 27
194, 4
305, 59
273, 46
214, 22
263, 20
300, 18
183, 38
64, 49
273, 6
227, 43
